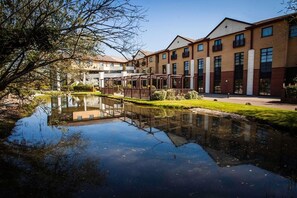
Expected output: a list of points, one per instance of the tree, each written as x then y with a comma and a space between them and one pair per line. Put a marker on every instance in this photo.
36, 35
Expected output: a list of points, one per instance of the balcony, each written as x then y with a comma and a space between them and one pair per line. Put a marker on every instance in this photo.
239, 43
173, 56
136, 64
186, 54
216, 48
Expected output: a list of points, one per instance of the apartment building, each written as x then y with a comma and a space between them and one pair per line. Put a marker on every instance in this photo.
236, 57
95, 69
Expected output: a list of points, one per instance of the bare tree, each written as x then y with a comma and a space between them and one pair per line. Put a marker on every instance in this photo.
37, 34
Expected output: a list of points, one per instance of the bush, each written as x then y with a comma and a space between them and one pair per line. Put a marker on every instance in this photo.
159, 95
80, 87
179, 97
291, 91
192, 95
170, 94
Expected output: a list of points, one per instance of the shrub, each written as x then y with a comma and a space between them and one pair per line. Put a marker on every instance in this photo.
170, 94
192, 95
159, 95
291, 91
80, 87
180, 97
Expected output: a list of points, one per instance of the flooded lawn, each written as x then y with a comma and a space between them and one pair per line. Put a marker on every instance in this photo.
97, 147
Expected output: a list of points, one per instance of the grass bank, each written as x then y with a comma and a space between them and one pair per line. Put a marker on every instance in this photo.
282, 119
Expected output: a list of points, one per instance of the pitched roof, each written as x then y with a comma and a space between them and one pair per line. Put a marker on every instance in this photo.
178, 36
227, 18
106, 58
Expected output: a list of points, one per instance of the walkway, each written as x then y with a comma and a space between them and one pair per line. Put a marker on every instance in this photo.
253, 100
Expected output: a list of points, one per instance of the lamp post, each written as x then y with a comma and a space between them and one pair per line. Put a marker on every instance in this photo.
227, 85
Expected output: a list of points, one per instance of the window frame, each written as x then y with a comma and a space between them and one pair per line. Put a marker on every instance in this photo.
164, 55
263, 29
295, 31
200, 49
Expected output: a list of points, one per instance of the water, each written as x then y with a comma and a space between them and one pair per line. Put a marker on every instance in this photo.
97, 147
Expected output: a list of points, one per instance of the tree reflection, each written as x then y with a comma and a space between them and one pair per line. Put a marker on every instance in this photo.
59, 170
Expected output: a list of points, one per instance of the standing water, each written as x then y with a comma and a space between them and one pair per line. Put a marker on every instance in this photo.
98, 147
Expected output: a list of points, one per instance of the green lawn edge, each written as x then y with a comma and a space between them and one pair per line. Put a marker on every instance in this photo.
282, 119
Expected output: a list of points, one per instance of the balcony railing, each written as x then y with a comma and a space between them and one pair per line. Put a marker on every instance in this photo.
216, 48
137, 64
239, 43
173, 56
186, 54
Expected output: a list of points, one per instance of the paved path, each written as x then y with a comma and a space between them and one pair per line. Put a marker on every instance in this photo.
256, 101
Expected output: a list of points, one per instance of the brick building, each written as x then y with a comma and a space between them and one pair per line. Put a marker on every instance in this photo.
235, 57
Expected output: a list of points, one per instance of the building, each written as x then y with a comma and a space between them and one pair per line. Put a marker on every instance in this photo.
236, 57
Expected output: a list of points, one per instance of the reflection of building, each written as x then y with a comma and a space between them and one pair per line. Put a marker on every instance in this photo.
72, 109
227, 142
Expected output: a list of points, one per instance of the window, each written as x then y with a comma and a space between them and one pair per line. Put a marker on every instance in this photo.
186, 68
239, 37
200, 47
266, 60
173, 55
239, 40
265, 71
186, 53
217, 42
186, 73
267, 31
164, 56
293, 31
217, 45
200, 74
164, 69
174, 68
238, 72
151, 59
217, 74
200, 67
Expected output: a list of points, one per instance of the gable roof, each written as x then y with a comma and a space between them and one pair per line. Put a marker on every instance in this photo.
185, 40
241, 25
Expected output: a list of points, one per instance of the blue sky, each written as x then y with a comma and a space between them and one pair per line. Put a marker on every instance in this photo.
196, 18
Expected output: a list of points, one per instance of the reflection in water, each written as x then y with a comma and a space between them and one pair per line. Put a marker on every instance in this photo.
156, 151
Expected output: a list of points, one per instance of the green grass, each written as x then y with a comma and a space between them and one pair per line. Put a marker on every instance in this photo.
283, 119
57, 93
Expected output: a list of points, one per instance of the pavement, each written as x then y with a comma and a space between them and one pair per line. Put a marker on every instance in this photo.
265, 101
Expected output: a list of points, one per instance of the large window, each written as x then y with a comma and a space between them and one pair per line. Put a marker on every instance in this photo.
164, 56
186, 73
164, 69
293, 31
267, 31
174, 68
217, 74
186, 68
200, 74
265, 71
238, 72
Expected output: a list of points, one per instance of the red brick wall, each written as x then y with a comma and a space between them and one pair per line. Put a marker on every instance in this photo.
256, 82
277, 79
227, 87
